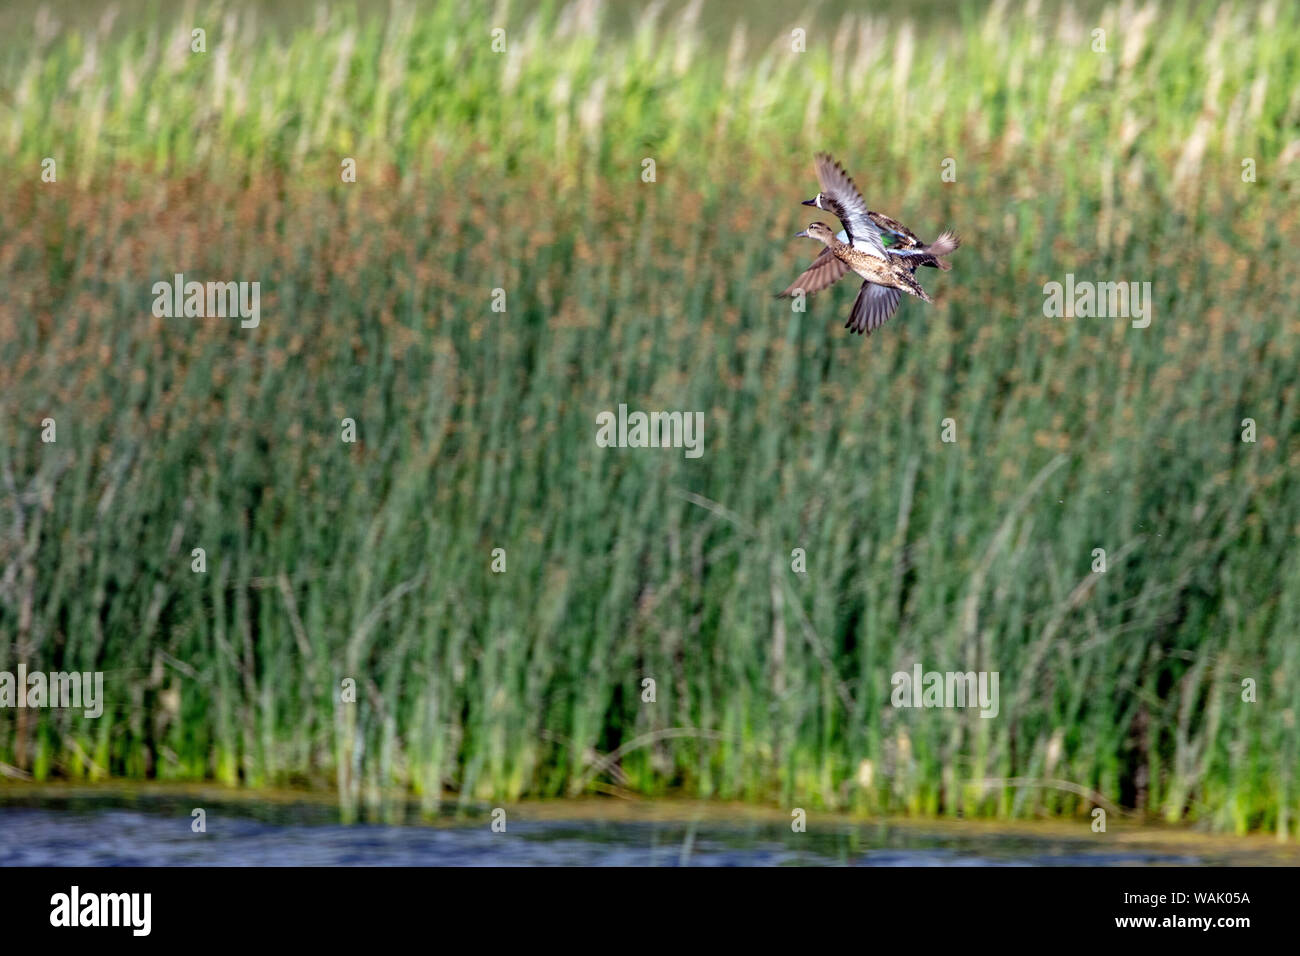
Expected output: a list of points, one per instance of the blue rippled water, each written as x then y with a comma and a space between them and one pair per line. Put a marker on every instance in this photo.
158, 833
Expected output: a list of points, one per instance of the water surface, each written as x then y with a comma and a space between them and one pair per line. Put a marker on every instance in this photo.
96, 828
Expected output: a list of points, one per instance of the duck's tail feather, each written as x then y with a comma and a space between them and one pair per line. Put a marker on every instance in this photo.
946, 244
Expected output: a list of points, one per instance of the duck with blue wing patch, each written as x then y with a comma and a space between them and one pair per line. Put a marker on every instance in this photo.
880, 249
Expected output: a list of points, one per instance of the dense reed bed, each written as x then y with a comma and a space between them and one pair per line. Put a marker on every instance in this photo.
523, 171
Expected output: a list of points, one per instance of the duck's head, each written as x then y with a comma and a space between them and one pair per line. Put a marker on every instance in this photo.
817, 230
815, 201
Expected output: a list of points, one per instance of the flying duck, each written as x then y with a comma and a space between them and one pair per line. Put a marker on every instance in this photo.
883, 251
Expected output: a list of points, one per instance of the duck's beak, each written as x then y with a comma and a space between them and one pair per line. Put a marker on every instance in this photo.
801, 235
810, 202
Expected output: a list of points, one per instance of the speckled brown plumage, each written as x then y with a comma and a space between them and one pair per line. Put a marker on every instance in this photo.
888, 265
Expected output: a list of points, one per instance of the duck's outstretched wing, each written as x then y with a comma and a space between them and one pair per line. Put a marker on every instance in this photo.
825, 271
915, 258
931, 255
872, 308
841, 197
903, 238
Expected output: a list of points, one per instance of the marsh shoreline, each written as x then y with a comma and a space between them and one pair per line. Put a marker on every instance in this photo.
150, 824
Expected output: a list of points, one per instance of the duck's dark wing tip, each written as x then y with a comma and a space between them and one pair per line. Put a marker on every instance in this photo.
873, 307
824, 271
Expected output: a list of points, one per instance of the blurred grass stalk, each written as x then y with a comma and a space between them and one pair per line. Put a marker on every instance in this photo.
522, 171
